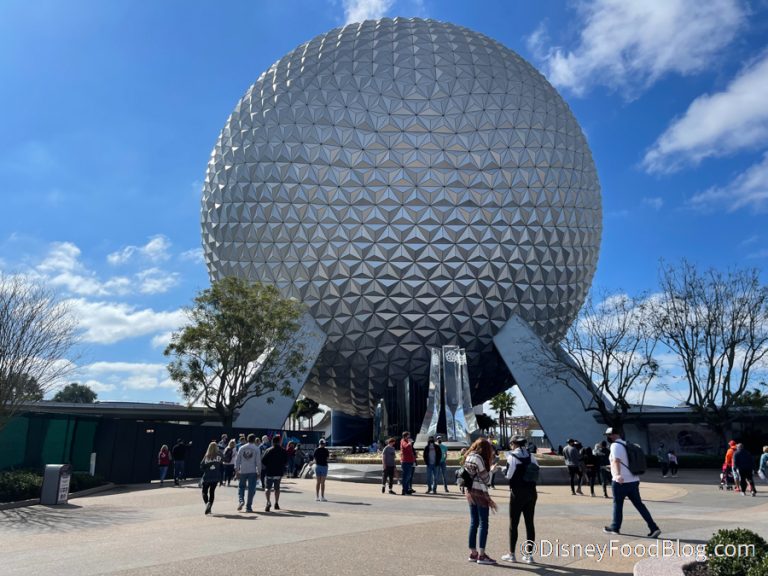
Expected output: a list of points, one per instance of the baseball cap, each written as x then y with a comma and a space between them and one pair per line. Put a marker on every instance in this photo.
322, 440
611, 430
521, 440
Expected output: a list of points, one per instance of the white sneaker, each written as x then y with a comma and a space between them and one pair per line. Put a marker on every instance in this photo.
508, 558
527, 558
323, 499
317, 499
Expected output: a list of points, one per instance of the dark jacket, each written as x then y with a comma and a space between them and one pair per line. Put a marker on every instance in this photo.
438, 453
274, 461
743, 460
211, 469
179, 451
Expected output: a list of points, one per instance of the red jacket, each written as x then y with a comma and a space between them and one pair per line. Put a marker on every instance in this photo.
407, 453
164, 458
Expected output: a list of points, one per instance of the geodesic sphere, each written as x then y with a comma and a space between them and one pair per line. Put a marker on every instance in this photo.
415, 184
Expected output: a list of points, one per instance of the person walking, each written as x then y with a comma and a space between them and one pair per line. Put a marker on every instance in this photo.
443, 461
228, 463
432, 456
522, 497
291, 451
179, 454
745, 464
625, 485
388, 465
573, 461
163, 461
673, 464
247, 470
762, 469
728, 464
602, 453
478, 464
661, 456
589, 462
320, 457
210, 467
407, 463
273, 461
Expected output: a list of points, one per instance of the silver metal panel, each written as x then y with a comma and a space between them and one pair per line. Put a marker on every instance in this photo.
556, 393
415, 183
258, 412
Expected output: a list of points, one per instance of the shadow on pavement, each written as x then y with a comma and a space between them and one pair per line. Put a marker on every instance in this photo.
296, 513
66, 518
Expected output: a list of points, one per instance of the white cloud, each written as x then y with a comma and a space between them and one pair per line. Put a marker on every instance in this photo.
654, 202
127, 375
193, 255
717, 124
63, 269
360, 10
162, 340
630, 45
155, 250
109, 322
748, 189
156, 281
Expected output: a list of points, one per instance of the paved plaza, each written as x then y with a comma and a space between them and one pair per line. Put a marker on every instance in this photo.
155, 530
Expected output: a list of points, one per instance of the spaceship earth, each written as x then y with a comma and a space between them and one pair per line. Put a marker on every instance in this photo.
414, 183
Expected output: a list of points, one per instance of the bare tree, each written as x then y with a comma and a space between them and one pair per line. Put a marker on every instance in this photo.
717, 325
36, 333
612, 343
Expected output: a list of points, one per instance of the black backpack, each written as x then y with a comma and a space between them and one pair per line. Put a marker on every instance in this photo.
228, 455
527, 471
465, 478
636, 456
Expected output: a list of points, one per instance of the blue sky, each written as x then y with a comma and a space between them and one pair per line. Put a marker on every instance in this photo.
110, 110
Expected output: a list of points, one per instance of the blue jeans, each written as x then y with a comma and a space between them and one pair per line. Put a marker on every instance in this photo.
251, 480
432, 477
478, 518
163, 473
407, 476
629, 490
442, 469
178, 470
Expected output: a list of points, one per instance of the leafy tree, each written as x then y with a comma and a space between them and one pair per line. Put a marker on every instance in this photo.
76, 394
36, 333
717, 325
238, 345
612, 343
504, 404
305, 409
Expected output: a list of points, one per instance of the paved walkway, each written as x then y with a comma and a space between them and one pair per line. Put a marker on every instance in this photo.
360, 532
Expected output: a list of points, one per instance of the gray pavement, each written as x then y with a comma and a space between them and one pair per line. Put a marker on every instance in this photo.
151, 530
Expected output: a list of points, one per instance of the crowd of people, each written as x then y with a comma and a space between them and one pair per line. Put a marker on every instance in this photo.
254, 463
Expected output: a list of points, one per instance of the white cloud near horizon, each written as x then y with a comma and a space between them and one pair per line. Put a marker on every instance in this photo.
110, 322
628, 46
155, 250
717, 124
111, 376
360, 10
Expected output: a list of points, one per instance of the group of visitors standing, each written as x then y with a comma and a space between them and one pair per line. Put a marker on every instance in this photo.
739, 465
590, 463
434, 456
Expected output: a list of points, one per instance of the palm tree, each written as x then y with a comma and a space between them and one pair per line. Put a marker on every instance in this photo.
504, 404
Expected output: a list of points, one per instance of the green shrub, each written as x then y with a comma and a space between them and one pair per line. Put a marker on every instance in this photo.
734, 565
760, 568
83, 481
16, 485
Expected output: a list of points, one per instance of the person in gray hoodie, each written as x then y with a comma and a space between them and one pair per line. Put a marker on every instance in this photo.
388, 465
573, 461
247, 469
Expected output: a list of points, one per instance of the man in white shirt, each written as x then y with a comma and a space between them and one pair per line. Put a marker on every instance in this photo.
625, 485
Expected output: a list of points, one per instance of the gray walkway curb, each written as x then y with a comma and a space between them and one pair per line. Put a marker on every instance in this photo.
34, 501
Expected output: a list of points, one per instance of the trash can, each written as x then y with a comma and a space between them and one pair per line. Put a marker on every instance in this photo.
56, 484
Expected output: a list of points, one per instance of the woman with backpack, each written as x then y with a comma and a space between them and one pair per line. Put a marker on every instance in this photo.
477, 465
523, 473
228, 463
